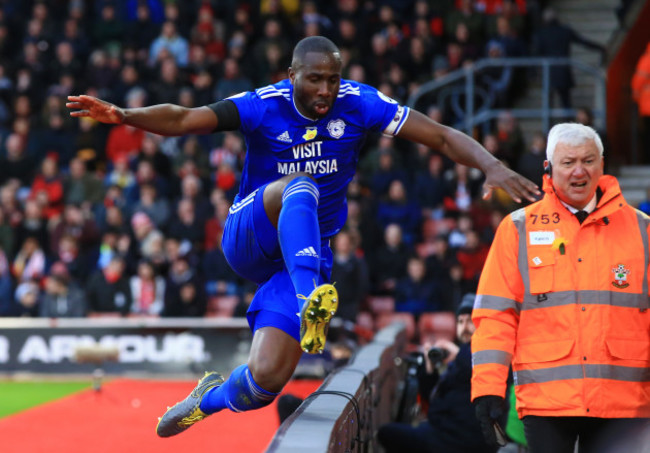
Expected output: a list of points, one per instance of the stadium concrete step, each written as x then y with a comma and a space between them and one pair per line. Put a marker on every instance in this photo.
635, 182
642, 171
593, 19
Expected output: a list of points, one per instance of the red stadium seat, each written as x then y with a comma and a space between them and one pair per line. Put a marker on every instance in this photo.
365, 320
222, 306
433, 326
408, 319
381, 304
365, 326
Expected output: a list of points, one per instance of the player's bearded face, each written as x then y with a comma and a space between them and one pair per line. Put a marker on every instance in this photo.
316, 83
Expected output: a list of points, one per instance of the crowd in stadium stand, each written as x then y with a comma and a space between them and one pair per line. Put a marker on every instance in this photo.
110, 219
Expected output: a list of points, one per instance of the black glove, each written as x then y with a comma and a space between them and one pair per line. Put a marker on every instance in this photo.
489, 409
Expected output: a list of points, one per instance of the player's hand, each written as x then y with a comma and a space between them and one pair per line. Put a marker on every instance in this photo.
88, 106
513, 183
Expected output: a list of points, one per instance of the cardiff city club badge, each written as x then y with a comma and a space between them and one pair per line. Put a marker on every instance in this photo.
336, 128
311, 133
620, 276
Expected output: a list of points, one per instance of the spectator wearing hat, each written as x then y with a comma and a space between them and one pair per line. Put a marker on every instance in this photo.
62, 297
496, 79
451, 424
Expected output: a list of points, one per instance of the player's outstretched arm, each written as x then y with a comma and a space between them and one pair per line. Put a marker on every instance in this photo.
465, 150
162, 119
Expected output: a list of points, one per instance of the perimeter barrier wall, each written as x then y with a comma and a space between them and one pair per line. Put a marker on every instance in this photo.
344, 413
169, 346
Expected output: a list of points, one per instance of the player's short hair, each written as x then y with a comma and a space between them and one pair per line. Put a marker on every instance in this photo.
313, 44
572, 134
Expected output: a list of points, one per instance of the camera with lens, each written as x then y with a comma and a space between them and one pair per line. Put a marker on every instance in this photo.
437, 355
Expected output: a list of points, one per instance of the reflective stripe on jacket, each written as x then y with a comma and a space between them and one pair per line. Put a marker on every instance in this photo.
567, 305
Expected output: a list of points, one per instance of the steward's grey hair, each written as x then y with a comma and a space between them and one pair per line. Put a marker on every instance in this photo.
572, 134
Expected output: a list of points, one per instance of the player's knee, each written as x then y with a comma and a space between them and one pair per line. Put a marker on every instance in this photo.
303, 186
301, 174
271, 375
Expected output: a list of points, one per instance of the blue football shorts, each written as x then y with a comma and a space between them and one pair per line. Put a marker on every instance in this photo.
250, 244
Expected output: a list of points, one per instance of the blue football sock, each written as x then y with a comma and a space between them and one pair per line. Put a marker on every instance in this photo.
299, 234
239, 393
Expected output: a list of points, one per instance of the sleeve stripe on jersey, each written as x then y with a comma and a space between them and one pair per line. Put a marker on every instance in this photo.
349, 86
398, 121
273, 93
265, 89
346, 89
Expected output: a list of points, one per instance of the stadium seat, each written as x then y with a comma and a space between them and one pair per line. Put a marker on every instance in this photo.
222, 306
433, 326
365, 320
365, 326
408, 319
381, 304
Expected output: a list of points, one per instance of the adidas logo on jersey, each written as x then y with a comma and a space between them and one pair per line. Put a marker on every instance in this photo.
284, 137
308, 251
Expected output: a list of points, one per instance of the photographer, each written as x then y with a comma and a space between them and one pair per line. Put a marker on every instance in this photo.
451, 425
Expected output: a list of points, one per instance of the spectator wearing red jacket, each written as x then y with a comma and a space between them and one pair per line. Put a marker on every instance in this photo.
47, 187
123, 140
472, 257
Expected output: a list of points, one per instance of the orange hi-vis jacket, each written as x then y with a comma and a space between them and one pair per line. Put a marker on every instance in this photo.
641, 83
567, 306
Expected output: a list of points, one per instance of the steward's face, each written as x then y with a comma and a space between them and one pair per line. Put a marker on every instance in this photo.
576, 171
316, 81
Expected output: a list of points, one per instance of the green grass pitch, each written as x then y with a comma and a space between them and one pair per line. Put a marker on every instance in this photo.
18, 396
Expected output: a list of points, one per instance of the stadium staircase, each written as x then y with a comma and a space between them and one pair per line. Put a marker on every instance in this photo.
595, 20
635, 182
592, 19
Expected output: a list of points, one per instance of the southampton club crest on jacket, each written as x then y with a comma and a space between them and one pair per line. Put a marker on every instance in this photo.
620, 276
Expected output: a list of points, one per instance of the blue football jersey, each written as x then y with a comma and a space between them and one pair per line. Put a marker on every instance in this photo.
281, 141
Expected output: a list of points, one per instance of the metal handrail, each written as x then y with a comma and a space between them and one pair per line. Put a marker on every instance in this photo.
474, 117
